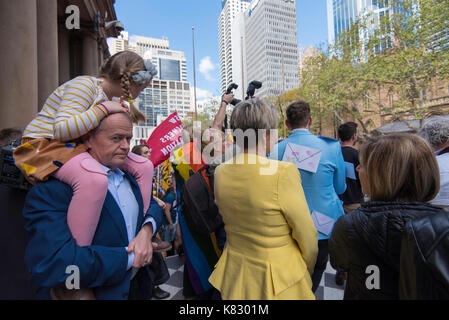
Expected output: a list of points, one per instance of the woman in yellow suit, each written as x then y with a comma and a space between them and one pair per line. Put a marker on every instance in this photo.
272, 243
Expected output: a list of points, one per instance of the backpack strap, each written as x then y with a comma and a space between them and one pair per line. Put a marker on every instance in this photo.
208, 175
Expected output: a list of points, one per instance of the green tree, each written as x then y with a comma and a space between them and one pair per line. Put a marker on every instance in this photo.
206, 115
397, 55
401, 53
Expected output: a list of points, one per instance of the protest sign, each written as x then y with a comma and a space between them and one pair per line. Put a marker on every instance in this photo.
304, 158
164, 139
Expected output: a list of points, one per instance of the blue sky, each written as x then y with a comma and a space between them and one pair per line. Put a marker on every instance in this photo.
174, 20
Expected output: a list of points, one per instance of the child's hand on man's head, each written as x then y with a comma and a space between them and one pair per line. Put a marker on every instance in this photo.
115, 107
125, 104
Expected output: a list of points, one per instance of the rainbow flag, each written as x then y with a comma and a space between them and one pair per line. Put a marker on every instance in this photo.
166, 175
201, 251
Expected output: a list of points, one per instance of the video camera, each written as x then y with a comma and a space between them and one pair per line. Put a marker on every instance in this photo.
253, 85
10, 175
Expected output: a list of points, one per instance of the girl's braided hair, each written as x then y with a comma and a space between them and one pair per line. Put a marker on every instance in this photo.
122, 66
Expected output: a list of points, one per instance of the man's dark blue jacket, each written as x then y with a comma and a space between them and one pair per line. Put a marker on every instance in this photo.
51, 247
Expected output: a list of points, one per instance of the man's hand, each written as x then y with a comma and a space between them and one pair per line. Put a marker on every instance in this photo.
142, 246
171, 227
227, 98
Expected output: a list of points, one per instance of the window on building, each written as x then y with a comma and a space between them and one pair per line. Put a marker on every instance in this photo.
423, 95
366, 103
390, 100
169, 69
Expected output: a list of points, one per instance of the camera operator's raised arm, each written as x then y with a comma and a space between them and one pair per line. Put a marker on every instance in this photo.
221, 114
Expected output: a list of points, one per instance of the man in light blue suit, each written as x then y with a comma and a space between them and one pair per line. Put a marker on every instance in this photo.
115, 265
322, 187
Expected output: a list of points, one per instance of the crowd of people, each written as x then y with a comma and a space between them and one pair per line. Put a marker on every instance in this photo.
379, 206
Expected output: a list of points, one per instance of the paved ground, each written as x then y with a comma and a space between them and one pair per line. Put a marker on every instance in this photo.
327, 290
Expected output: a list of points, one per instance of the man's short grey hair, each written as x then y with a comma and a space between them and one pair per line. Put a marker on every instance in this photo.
435, 131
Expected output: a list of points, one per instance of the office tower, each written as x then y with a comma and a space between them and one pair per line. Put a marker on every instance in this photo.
144, 44
170, 64
341, 14
271, 46
168, 92
121, 43
230, 37
162, 98
440, 40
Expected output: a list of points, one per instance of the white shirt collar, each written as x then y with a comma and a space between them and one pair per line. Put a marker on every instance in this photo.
300, 129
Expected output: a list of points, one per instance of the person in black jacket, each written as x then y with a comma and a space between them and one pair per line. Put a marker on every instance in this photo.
400, 174
353, 196
424, 268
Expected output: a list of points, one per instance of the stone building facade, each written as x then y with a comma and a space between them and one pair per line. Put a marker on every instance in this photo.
44, 44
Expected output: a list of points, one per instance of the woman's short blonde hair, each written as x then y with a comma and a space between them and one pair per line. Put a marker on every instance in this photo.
254, 114
400, 167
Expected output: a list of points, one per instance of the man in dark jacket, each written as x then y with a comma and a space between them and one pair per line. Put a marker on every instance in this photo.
424, 267
115, 266
353, 196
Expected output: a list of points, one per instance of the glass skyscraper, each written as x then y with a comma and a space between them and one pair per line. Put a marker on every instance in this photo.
169, 91
342, 13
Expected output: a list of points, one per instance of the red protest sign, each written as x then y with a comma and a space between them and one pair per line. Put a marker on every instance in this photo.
164, 139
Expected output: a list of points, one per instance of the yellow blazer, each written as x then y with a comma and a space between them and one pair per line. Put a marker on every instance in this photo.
272, 243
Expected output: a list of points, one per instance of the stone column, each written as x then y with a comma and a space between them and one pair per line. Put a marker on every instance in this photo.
47, 48
64, 57
18, 59
90, 56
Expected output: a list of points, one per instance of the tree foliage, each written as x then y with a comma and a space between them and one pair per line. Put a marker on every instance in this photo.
386, 62
206, 113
